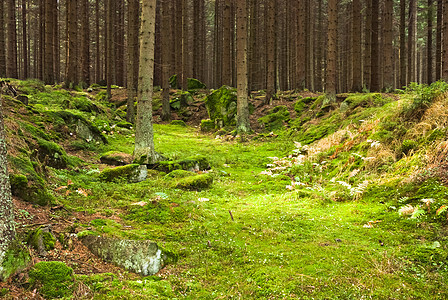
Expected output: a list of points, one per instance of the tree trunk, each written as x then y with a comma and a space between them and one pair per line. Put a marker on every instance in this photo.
242, 121
330, 88
85, 42
226, 42
97, 42
375, 68
7, 229
49, 47
429, 56
357, 47
387, 46
320, 48
270, 50
12, 39
72, 36
166, 59
439, 40
24, 40
445, 41
56, 42
412, 38
110, 64
144, 152
367, 43
133, 54
2, 40
403, 50
185, 46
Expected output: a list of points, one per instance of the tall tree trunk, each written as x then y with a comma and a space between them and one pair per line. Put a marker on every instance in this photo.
41, 59
85, 42
403, 50
12, 39
119, 43
270, 50
387, 46
133, 54
110, 64
357, 47
24, 40
367, 43
166, 59
2, 40
330, 88
439, 40
429, 69
320, 48
309, 45
97, 42
375, 68
412, 38
56, 42
226, 43
144, 152
301, 43
185, 46
445, 41
49, 47
242, 120
72, 37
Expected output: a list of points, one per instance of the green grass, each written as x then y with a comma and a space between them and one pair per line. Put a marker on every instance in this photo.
280, 244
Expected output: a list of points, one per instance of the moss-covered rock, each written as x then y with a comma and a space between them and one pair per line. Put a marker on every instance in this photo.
42, 240
197, 182
124, 124
178, 123
115, 158
207, 125
51, 154
299, 106
54, 279
194, 84
14, 260
194, 163
130, 173
173, 81
221, 106
275, 118
179, 174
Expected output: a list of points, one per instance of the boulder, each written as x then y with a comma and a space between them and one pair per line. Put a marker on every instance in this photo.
275, 118
196, 182
131, 173
115, 158
142, 257
194, 163
221, 106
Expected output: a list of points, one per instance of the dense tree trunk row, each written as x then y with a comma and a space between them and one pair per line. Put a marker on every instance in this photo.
95, 41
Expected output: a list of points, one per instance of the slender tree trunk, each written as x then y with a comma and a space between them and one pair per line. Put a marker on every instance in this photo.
367, 43
12, 39
2, 40
85, 42
439, 40
56, 42
330, 88
41, 61
166, 45
357, 47
110, 70
270, 50
49, 47
403, 50
320, 48
24, 40
7, 229
97, 42
133, 54
445, 41
144, 152
429, 57
412, 38
301, 42
72, 36
226, 41
184, 77
242, 120
388, 47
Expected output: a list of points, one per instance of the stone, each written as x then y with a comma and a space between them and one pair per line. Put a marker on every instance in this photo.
115, 158
131, 173
142, 257
221, 106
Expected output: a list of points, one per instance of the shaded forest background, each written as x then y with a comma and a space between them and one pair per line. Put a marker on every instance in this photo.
316, 45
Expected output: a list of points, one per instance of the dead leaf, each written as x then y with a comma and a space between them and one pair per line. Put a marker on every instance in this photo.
141, 203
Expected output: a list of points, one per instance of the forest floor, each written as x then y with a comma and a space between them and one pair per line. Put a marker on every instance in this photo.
280, 221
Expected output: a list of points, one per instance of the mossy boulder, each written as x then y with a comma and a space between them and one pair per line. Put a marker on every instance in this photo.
51, 154
142, 257
54, 279
179, 174
299, 106
275, 118
116, 158
221, 106
194, 84
207, 125
182, 100
124, 124
42, 240
30, 188
173, 81
178, 123
197, 182
130, 173
194, 163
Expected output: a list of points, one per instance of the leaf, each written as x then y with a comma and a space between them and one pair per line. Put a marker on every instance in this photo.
441, 210
418, 213
82, 192
141, 203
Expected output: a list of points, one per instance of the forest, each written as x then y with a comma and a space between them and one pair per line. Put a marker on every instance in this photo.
223, 149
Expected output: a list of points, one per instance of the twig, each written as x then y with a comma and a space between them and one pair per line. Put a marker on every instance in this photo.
231, 216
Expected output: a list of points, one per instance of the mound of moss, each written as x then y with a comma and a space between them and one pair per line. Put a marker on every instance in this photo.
197, 182
51, 154
115, 158
178, 123
275, 118
193, 163
42, 240
15, 259
221, 106
207, 125
54, 279
179, 174
194, 84
130, 173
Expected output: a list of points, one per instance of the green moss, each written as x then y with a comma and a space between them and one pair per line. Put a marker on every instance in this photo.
173, 81
275, 118
179, 174
194, 84
124, 172
54, 279
407, 146
124, 124
221, 106
197, 182
57, 158
437, 134
16, 259
178, 123
197, 162
207, 125
83, 104
299, 106
41, 239
18, 181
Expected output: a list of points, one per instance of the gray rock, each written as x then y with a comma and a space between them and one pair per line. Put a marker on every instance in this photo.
142, 257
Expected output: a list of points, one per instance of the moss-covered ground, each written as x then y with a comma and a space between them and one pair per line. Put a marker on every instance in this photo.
339, 204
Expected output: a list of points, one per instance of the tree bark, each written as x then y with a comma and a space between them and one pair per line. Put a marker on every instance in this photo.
270, 51
429, 55
412, 38
242, 119
72, 36
445, 41
11, 65
226, 42
133, 58
2, 40
357, 47
144, 152
367, 43
439, 40
85, 42
49, 46
166, 61
301, 56
330, 88
24, 40
388, 84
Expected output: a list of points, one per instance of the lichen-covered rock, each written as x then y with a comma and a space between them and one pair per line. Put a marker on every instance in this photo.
115, 158
142, 257
197, 182
130, 173
42, 240
194, 163
221, 106
275, 118
54, 279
